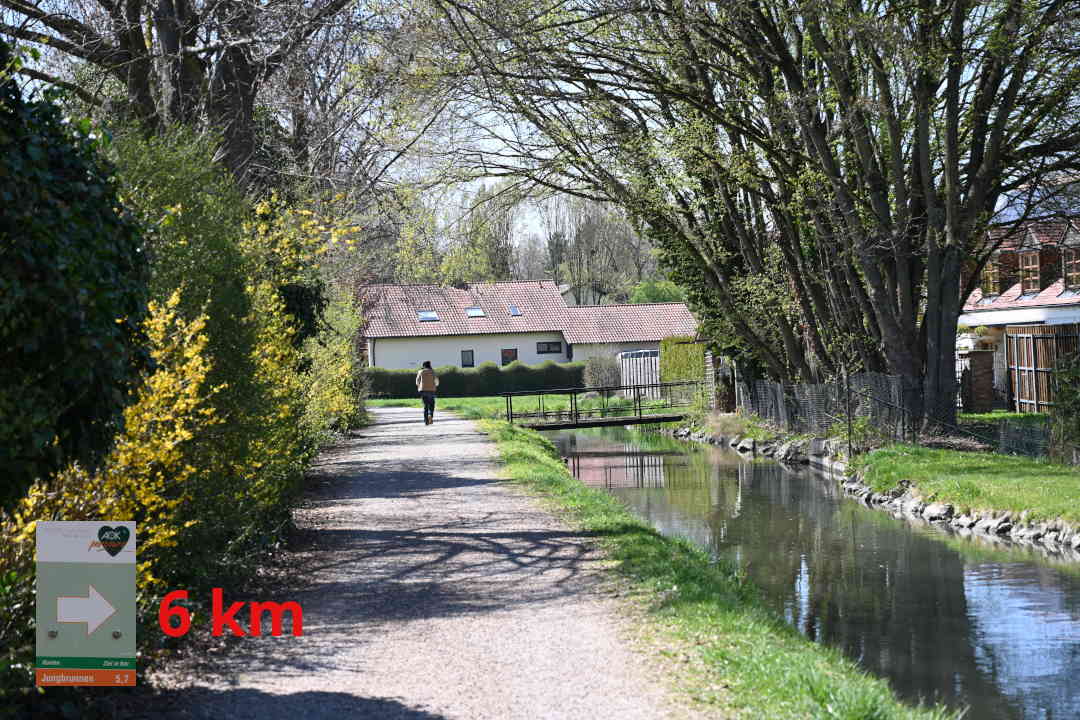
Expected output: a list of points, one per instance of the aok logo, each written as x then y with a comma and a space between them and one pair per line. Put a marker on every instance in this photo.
111, 540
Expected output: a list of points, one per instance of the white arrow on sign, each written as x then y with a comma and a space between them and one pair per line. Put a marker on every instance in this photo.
92, 610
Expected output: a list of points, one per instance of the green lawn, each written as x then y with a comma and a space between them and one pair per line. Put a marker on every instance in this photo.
977, 480
1001, 415
476, 408
473, 408
737, 657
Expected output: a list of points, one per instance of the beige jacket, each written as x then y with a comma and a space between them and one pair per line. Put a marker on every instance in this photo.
426, 380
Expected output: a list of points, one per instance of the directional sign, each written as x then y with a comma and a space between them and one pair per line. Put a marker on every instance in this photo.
86, 603
92, 610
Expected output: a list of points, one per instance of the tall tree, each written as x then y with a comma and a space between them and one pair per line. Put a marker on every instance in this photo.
817, 174
178, 61
594, 248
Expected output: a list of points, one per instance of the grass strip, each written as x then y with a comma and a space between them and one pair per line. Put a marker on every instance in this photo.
974, 481
473, 408
750, 663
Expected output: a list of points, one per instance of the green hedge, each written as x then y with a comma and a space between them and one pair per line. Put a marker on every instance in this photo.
483, 380
681, 359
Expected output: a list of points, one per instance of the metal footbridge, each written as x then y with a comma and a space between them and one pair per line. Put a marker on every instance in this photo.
584, 407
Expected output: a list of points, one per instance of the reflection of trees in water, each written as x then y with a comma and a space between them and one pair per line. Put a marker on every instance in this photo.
1027, 626
859, 580
897, 601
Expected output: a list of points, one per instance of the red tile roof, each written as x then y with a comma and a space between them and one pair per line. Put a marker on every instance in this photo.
391, 311
1010, 299
627, 323
1030, 235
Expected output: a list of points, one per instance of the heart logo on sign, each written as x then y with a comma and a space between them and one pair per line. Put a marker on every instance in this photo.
113, 539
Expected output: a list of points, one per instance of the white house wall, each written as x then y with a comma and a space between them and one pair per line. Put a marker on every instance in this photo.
446, 349
1022, 316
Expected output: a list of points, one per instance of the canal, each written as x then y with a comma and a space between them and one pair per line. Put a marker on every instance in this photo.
943, 618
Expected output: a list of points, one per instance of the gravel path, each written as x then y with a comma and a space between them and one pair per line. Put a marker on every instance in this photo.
432, 590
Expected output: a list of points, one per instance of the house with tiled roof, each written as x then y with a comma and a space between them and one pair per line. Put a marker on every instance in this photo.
1032, 280
1034, 277
506, 321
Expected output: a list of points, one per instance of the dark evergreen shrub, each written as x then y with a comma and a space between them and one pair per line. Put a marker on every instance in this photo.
73, 292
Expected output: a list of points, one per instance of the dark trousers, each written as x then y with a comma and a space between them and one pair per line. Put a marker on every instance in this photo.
429, 404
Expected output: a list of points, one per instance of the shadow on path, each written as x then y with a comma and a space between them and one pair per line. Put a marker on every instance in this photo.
249, 704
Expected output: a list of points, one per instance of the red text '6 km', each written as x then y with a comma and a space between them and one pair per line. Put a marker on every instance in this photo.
175, 620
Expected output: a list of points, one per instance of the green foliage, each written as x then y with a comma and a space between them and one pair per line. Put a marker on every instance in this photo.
195, 216
864, 434
657, 291
602, 371
681, 359
148, 477
220, 430
740, 425
72, 293
1065, 415
332, 403
485, 379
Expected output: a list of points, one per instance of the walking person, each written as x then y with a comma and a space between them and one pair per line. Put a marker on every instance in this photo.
426, 382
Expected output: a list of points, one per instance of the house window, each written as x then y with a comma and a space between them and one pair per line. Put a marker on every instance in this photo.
548, 347
467, 358
1072, 267
514, 311
475, 312
427, 316
990, 278
509, 355
1029, 271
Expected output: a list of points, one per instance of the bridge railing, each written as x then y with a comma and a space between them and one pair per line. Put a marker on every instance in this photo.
600, 402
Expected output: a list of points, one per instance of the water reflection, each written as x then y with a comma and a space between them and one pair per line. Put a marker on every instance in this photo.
942, 618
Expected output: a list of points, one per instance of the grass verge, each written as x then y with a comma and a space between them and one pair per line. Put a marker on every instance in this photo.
977, 481
747, 659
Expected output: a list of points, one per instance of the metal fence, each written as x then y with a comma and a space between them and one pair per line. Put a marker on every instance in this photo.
825, 408
872, 409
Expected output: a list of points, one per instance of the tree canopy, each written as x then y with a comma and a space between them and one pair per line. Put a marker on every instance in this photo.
818, 175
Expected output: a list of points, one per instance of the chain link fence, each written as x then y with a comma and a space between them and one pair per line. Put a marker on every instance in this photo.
823, 409
873, 409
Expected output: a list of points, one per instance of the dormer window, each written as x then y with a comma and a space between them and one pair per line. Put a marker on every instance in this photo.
475, 312
1072, 267
427, 316
990, 280
515, 311
1029, 272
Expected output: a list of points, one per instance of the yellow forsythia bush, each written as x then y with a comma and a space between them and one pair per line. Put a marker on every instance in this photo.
330, 383
280, 453
144, 478
217, 435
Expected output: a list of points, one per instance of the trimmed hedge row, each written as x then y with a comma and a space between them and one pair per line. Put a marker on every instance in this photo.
681, 359
484, 380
